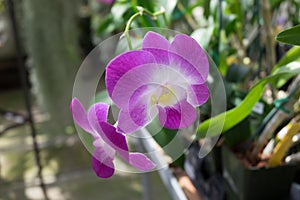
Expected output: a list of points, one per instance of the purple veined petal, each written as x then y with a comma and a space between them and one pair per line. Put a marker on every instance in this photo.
130, 82
141, 104
158, 46
141, 162
103, 170
140, 109
190, 50
181, 115
190, 72
117, 142
114, 139
161, 56
79, 115
133, 80
125, 123
102, 160
198, 94
97, 113
123, 63
145, 75
110, 139
156, 41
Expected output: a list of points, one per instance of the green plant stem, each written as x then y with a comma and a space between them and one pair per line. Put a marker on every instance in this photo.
141, 12
270, 42
126, 32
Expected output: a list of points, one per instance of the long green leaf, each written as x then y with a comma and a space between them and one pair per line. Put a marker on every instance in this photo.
292, 55
290, 36
237, 114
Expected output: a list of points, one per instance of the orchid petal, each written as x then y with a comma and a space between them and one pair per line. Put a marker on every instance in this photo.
198, 94
161, 56
158, 46
114, 139
124, 63
156, 41
140, 104
97, 113
102, 170
190, 72
145, 79
181, 115
130, 82
190, 50
79, 115
102, 161
117, 141
141, 162
125, 123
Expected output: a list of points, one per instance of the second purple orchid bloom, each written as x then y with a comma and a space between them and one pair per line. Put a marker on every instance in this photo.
107, 140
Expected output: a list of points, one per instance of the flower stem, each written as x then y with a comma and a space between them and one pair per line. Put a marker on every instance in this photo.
141, 12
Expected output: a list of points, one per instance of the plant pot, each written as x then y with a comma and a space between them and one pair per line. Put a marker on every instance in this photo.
243, 183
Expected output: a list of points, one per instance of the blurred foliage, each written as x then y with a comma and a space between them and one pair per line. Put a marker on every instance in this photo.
52, 45
1, 6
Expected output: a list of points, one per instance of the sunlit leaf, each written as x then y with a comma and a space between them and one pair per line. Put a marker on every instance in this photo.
119, 9
292, 55
167, 5
203, 36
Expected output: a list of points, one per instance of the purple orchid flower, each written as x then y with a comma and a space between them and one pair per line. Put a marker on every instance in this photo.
161, 79
107, 140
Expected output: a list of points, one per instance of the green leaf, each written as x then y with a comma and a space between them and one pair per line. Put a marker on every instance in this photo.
280, 81
275, 3
206, 8
168, 5
290, 36
238, 133
118, 10
237, 114
203, 36
106, 25
103, 97
292, 55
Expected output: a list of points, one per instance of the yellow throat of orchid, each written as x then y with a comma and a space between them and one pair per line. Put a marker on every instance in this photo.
165, 96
